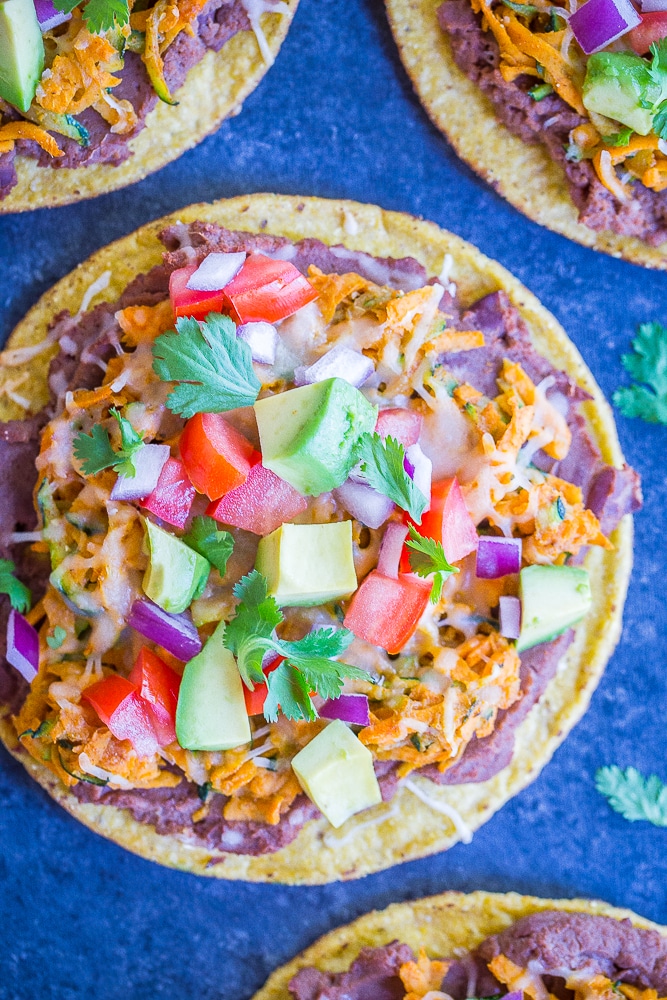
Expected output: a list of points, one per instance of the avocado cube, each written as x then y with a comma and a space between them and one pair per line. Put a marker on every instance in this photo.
21, 52
616, 85
336, 772
553, 598
308, 435
308, 564
176, 574
211, 712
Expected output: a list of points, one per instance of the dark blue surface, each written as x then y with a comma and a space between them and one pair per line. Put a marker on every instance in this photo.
79, 916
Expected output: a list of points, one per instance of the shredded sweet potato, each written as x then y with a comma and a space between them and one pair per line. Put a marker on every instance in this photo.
142, 324
13, 131
556, 70
423, 976
452, 341
334, 289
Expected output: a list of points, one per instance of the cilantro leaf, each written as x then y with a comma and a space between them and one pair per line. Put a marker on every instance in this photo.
210, 542
525, 9
428, 556
19, 595
660, 121
621, 138
131, 442
212, 366
289, 693
102, 15
248, 635
96, 453
648, 364
382, 467
632, 795
325, 642
56, 640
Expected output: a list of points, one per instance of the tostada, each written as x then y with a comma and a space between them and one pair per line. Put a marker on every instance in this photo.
325, 526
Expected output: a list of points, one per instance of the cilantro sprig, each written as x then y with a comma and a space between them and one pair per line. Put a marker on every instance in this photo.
647, 398
99, 15
307, 665
632, 795
657, 100
19, 596
95, 452
210, 542
428, 558
210, 364
382, 466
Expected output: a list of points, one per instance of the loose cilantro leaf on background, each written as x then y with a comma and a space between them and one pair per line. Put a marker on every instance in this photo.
99, 15
210, 542
648, 365
382, 467
632, 795
19, 595
56, 640
95, 452
427, 557
212, 366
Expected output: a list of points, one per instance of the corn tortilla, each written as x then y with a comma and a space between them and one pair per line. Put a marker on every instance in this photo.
444, 925
215, 89
406, 828
522, 173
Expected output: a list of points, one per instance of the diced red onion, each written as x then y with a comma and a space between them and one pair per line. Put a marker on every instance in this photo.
350, 708
364, 503
597, 23
339, 362
262, 338
22, 646
48, 16
409, 467
497, 556
175, 633
216, 271
149, 462
510, 617
653, 6
391, 549
403, 425
422, 471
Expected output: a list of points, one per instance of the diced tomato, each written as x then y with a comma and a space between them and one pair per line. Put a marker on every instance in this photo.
267, 290
186, 302
216, 456
261, 505
158, 686
404, 425
173, 496
254, 700
117, 702
653, 27
385, 612
448, 522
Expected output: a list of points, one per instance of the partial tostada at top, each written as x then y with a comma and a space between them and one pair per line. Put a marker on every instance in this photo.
97, 94
562, 108
325, 528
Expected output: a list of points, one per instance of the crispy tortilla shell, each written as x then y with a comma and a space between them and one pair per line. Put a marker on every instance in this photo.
404, 828
443, 925
215, 89
522, 173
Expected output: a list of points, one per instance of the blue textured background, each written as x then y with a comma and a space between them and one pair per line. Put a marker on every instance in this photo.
79, 917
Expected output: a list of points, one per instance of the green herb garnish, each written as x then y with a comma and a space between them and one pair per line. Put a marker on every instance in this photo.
382, 467
210, 542
632, 795
95, 452
524, 9
99, 15
428, 557
307, 665
212, 366
648, 365
56, 640
19, 595
541, 91
621, 138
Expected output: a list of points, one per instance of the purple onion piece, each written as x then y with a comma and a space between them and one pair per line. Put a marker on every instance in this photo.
422, 470
22, 646
391, 549
148, 462
497, 556
175, 633
262, 339
339, 362
597, 23
350, 708
653, 6
48, 16
216, 271
364, 503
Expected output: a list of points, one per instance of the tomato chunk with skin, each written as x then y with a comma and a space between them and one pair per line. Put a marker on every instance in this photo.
448, 522
386, 611
254, 700
173, 496
261, 504
117, 702
217, 458
404, 425
188, 302
653, 27
158, 685
267, 290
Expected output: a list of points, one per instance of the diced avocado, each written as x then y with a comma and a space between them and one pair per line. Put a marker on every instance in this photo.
336, 772
616, 84
21, 52
176, 574
553, 598
308, 435
308, 564
211, 712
